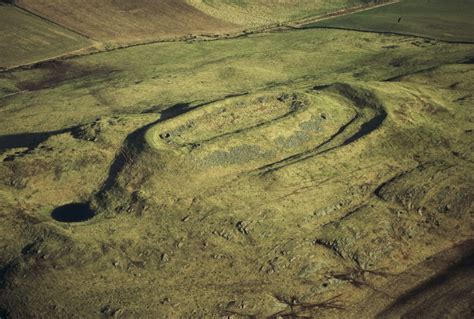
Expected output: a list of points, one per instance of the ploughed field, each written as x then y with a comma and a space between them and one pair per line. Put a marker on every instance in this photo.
26, 38
128, 21
312, 173
39, 30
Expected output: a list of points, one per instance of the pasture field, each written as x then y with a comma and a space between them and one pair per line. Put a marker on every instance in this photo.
254, 14
25, 38
437, 19
316, 173
157, 76
125, 21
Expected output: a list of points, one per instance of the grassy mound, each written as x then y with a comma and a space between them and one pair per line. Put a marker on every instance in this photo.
190, 198
338, 209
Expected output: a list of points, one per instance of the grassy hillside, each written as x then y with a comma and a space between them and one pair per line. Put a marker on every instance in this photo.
25, 38
288, 201
254, 13
315, 173
164, 74
127, 21
438, 19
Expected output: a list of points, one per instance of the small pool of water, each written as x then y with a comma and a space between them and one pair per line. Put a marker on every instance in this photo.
73, 213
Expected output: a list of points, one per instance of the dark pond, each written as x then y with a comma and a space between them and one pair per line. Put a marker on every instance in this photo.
73, 213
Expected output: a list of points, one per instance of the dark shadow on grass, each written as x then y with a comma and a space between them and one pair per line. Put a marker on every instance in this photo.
57, 72
469, 61
367, 127
3, 314
461, 268
29, 140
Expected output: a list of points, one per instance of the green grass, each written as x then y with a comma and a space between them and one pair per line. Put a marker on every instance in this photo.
25, 38
305, 197
438, 19
257, 13
312, 228
160, 75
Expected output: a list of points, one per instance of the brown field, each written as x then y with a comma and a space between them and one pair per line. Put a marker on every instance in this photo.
26, 38
125, 21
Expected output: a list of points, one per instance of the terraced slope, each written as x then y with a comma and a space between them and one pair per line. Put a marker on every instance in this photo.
26, 38
254, 13
439, 19
128, 21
